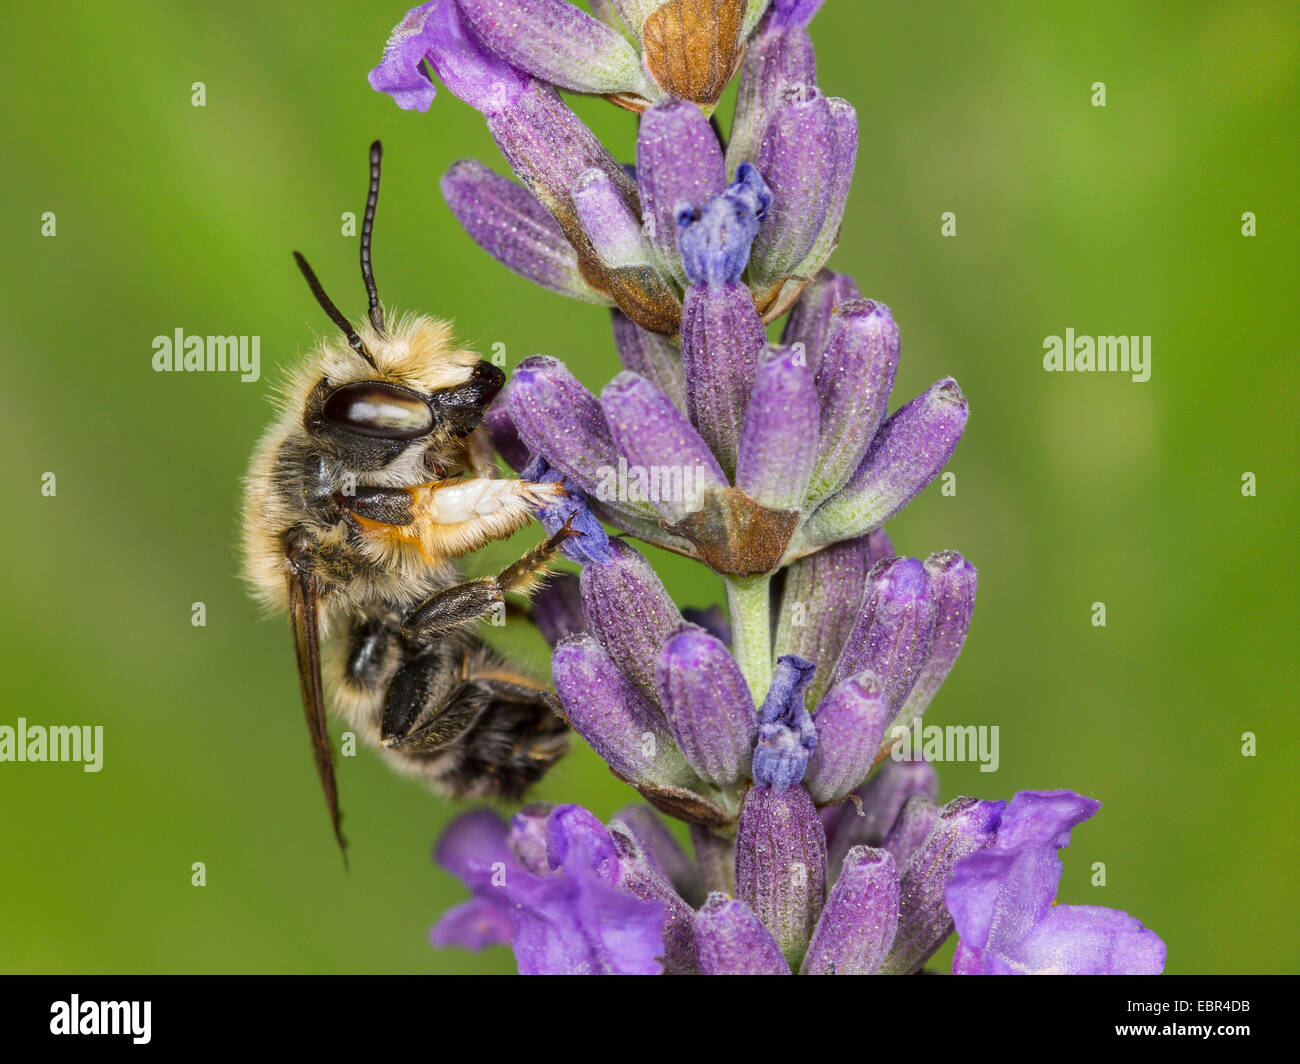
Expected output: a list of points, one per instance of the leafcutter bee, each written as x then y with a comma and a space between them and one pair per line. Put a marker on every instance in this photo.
373, 478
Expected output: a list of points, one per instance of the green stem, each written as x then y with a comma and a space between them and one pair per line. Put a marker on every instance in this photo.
750, 605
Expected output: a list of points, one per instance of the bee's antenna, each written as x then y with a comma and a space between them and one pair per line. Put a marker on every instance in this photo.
335, 315
367, 230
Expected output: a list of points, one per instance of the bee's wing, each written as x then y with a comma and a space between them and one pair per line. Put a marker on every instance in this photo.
306, 644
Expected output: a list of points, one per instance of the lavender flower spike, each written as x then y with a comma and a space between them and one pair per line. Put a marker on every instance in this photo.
708, 705
908, 452
508, 222
1002, 900
860, 920
778, 441
557, 42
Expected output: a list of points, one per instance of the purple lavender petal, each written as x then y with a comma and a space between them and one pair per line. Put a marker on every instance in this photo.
854, 379
778, 440
1002, 900
811, 318
528, 838
857, 926
883, 797
786, 735
629, 612
894, 629
909, 451
658, 842
780, 55
400, 72
591, 545
911, 829
557, 608
472, 925
621, 725
641, 876
821, 601
964, 826
508, 222
731, 940
471, 844
679, 162
715, 237
708, 705
559, 43
781, 864
651, 355
435, 32
658, 441
850, 722
798, 156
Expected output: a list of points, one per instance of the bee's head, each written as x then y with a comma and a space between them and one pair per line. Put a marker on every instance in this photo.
392, 392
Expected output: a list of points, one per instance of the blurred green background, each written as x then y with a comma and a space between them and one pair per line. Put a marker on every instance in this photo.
1071, 488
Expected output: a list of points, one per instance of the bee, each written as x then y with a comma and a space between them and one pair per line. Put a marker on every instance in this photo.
372, 480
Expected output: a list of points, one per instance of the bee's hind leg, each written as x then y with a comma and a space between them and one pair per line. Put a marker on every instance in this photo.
475, 599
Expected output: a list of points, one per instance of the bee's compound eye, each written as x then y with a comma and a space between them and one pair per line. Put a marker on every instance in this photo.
379, 410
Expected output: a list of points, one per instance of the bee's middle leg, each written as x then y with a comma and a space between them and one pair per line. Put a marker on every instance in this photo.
471, 601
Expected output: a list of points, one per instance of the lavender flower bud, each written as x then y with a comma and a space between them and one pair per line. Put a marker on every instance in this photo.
913, 826
797, 156
821, 601
910, 449
559, 43
964, 826
708, 706
778, 441
721, 331
651, 355
860, 920
508, 222
731, 940
844, 121
617, 720
573, 511
662, 848
894, 630
854, 379
953, 581
678, 161
558, 418
786, 735
781, 864
780, 55
557, 608
883, 797
811, 318
629, 611
657, 438
641, 876
850, 722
